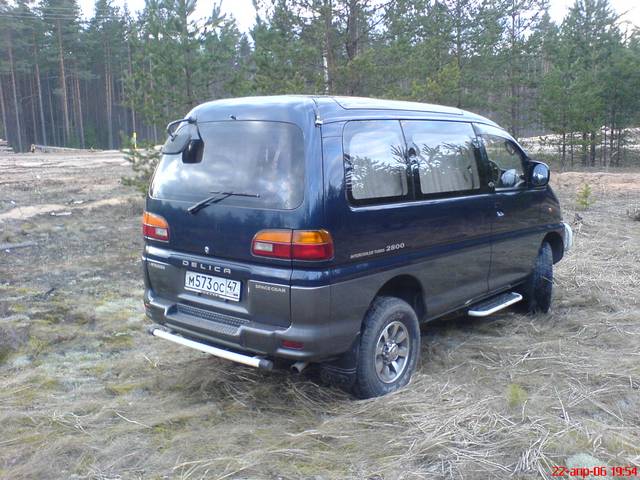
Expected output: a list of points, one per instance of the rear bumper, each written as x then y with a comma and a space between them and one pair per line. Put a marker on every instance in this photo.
320, 338
270, 310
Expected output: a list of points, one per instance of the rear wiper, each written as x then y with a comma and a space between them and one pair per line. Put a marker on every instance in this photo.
215, 198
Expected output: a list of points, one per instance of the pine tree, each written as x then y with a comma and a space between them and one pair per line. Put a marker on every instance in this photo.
589, 31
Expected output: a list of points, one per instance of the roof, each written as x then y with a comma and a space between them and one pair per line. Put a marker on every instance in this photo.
365, 103
302, 108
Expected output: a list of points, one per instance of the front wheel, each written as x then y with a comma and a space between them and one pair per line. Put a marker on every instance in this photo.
389, 348
538, 289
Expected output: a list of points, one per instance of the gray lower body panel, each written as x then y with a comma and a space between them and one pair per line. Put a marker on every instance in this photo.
311, 326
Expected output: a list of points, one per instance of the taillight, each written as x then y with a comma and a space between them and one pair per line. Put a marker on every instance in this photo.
155, 227
293, 244
312, 245
272, 243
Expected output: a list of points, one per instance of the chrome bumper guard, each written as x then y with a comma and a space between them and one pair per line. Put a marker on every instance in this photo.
257, 362
568, 237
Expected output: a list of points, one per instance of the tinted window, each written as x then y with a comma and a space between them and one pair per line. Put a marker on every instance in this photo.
264, 158
374, 160
177, 142
506, 159
445, 155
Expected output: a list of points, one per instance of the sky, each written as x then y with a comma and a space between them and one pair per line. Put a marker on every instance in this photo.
244, 13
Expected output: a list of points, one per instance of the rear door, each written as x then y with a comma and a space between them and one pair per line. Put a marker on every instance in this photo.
516, 235
255, 172
258, 169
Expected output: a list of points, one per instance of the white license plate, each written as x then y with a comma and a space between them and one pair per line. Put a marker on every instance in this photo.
221, 287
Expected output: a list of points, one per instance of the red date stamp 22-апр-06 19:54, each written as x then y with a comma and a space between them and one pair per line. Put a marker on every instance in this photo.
596, 471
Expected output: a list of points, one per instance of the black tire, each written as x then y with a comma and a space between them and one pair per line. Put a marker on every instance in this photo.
538, 289
387, 314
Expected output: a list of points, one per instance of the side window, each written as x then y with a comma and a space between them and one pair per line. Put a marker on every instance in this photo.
506, 161
375, 165
445, 155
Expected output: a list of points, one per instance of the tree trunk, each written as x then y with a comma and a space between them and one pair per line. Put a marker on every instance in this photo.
512, 80
34, 121
612, 137
327, 16
571, 149
79, 107
36, 65
133, 105
108, 88
187, 57
39, 87
54, 130
352, 47
619, 148
592, 149
3, 110
458, 42
564, 148
583, 150
63, 87
152, 102
16, 105
603, 153
123, 116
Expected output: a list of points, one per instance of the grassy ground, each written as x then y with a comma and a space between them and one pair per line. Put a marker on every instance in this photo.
85, 393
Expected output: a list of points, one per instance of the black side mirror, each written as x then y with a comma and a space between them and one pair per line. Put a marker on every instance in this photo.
193, 151
540, 174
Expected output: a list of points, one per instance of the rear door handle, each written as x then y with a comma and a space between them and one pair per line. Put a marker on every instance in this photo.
499, 213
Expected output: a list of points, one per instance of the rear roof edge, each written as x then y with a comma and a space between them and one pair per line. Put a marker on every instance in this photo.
298, 109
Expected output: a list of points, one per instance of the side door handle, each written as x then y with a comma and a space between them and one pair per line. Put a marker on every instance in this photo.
499, 213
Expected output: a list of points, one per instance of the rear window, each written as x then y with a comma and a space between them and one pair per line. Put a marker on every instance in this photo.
252, 157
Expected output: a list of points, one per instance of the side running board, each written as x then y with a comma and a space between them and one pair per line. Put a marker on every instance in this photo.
494, 304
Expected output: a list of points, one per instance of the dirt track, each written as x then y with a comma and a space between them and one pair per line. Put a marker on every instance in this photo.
84, 393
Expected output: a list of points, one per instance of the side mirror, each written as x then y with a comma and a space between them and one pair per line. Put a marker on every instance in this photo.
193, 151
540, 174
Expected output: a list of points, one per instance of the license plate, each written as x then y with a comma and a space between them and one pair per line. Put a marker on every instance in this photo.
220, 287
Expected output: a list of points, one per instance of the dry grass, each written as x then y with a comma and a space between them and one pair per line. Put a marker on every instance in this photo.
84, 393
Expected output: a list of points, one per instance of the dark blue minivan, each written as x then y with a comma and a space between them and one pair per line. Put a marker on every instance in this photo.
291, 230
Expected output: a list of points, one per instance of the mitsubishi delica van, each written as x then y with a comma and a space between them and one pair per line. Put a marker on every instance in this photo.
297, 230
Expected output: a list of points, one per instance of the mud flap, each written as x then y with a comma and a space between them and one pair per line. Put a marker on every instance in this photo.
341, 371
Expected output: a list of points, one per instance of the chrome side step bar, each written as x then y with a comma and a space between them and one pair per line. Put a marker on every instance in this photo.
256, 362
494, 304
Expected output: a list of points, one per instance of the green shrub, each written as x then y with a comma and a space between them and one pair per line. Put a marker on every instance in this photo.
583, 198
144, 160
516, 395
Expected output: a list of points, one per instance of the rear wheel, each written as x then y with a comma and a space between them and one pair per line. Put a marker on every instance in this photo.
389, 348
538, 289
